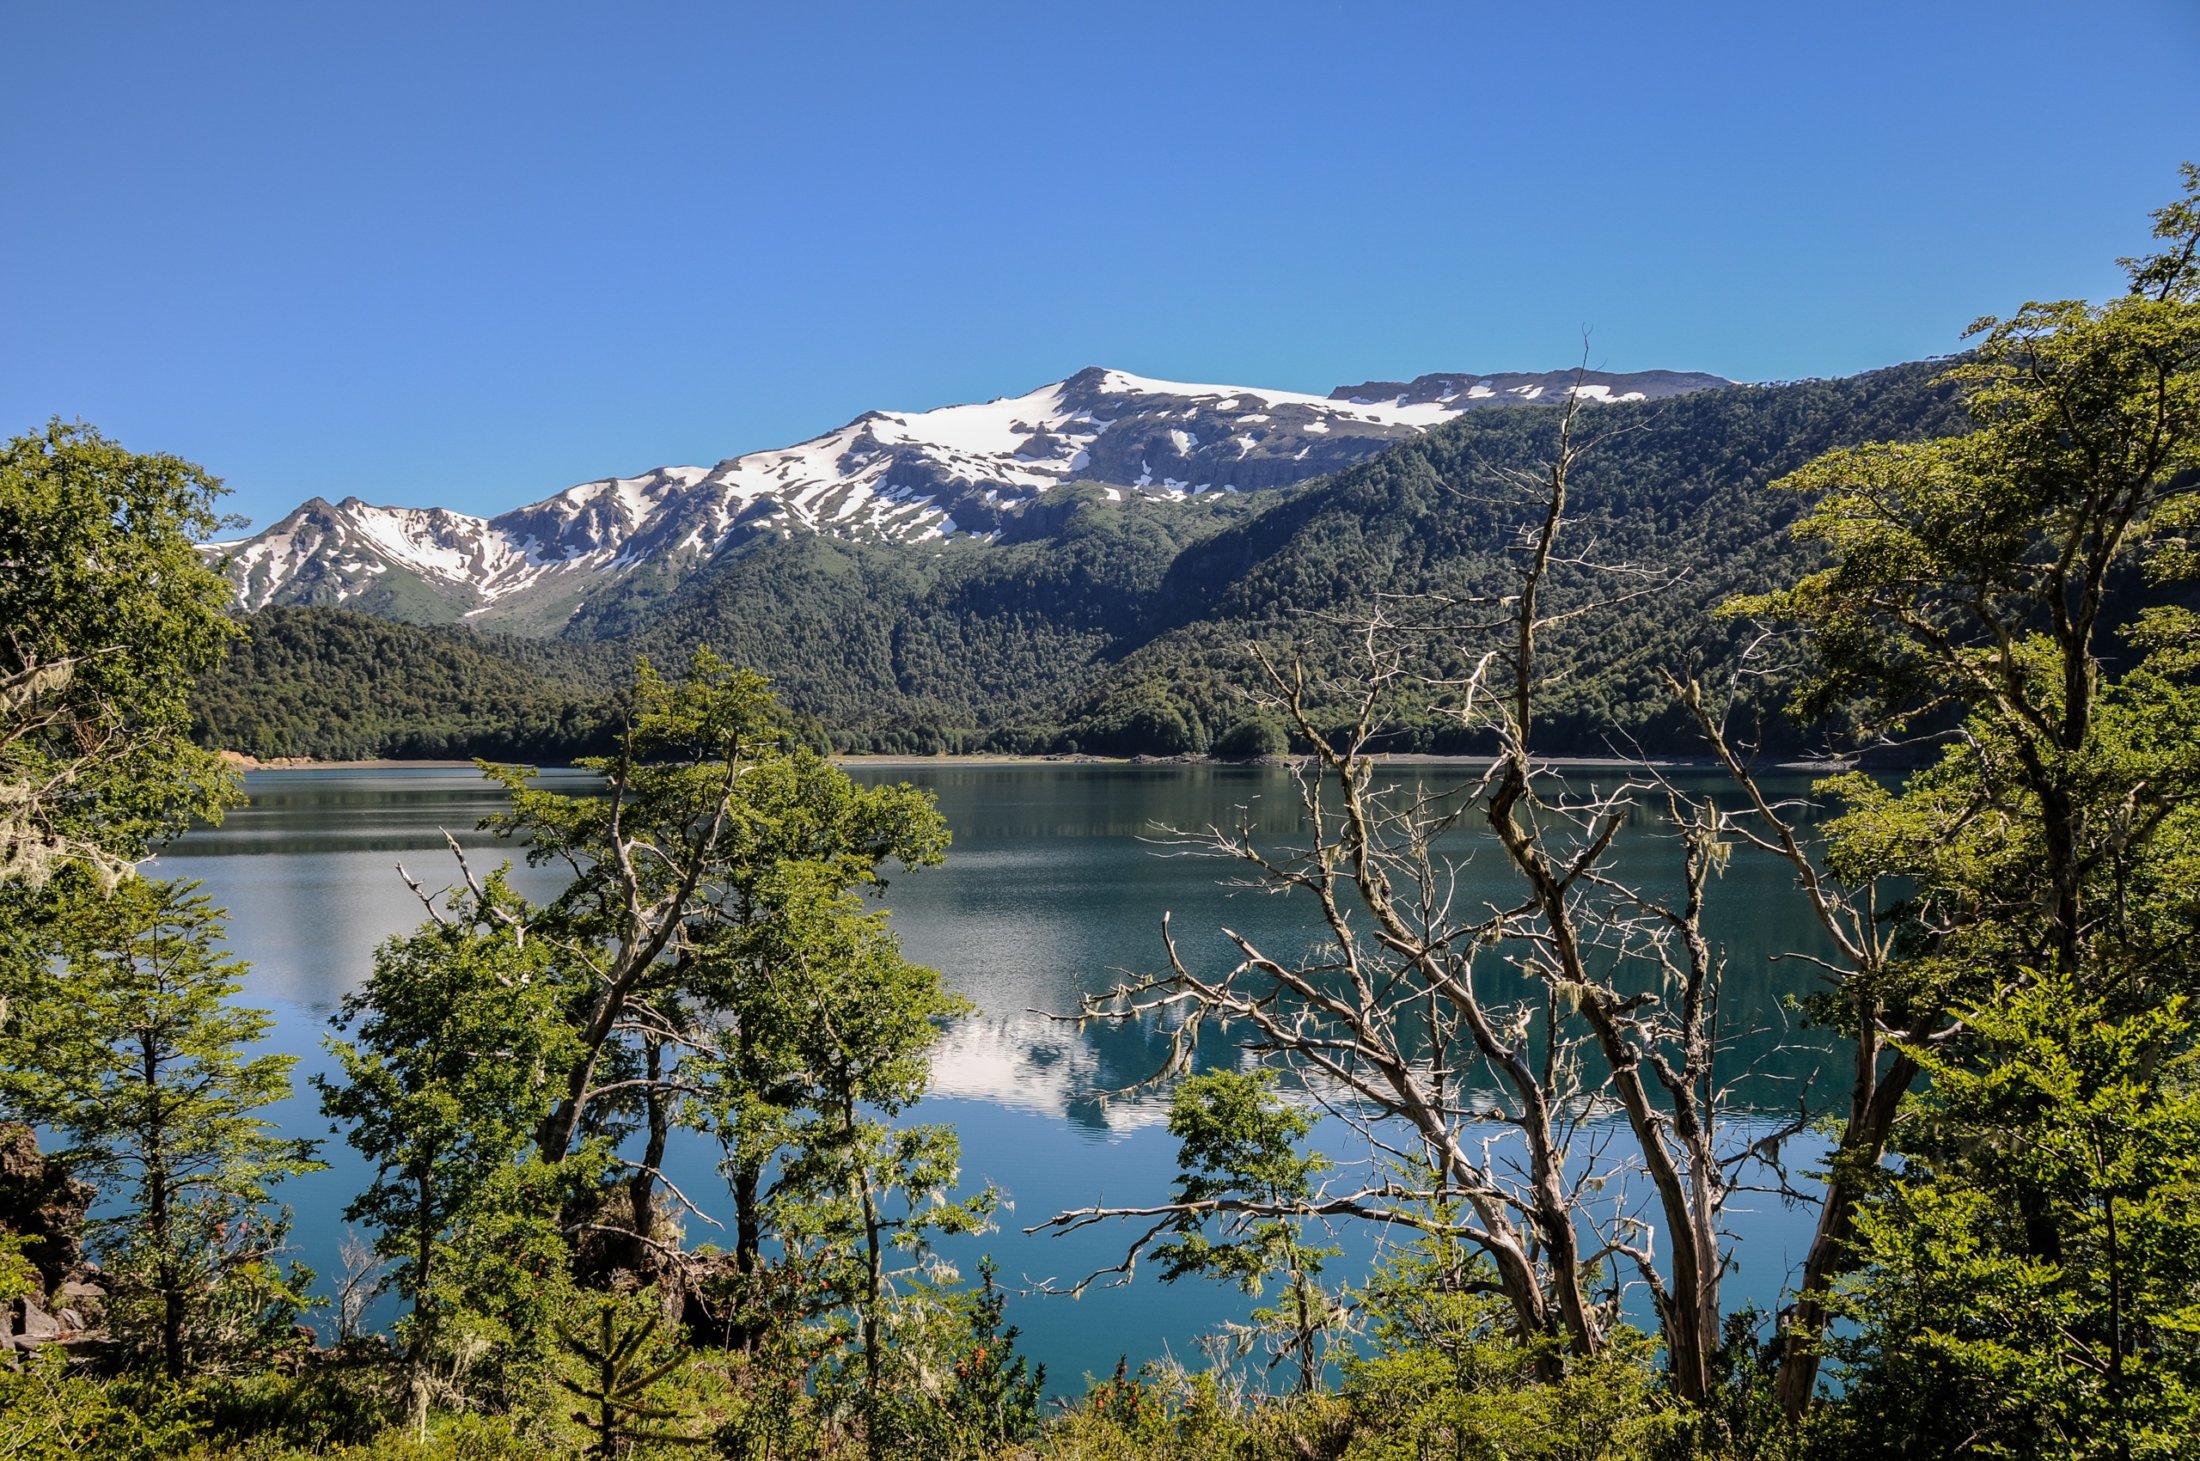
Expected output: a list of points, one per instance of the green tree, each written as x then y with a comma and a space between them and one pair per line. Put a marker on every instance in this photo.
620, 1365
2067, 1122
137, 1058
110, 614
1983, 571
861, 1205
1238, 1152
708, 800
993, 1400
705, 794
835, 1033
458, 1040
2009, 583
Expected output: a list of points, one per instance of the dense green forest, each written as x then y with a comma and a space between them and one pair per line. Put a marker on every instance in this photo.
339, 685
1121, 628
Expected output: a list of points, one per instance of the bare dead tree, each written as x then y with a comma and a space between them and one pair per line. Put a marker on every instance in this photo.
363, 1280
1862, 939
1552, 1062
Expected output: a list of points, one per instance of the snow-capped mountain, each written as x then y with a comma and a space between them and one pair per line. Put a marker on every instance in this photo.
955, 472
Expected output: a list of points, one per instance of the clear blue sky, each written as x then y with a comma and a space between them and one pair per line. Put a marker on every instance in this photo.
469, 254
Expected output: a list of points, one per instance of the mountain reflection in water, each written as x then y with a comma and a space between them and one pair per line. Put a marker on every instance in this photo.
1056, 885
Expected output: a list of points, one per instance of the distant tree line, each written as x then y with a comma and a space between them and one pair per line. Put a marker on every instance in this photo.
341, 686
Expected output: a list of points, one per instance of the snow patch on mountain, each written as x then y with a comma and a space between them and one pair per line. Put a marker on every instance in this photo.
916, 476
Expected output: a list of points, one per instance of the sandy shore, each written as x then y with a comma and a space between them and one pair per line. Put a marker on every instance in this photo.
243, 762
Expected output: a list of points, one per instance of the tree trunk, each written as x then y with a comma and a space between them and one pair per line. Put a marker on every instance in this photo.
416, 1354
874, 1284
747, 1182
641, 1187
748, 1243
159, 1216
1305, 1345
1871, 1118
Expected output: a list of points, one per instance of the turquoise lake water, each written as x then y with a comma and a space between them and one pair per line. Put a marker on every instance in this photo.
1058, 880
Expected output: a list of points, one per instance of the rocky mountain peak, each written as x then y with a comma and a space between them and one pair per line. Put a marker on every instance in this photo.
953, 472
1503, 388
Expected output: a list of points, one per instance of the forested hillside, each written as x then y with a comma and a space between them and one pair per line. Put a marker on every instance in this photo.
1672, 491
1121, 627
339, 685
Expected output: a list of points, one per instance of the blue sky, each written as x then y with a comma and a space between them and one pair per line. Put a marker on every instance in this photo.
469, 254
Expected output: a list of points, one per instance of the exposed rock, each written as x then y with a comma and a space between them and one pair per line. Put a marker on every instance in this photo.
42, 1202
34, 1325
1508, 387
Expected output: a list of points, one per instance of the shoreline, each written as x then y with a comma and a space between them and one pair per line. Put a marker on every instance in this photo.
887, 762
243, 762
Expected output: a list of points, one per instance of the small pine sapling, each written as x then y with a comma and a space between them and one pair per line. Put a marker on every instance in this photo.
619, 1377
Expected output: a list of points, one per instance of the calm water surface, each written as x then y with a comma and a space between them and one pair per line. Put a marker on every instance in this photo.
1057, 881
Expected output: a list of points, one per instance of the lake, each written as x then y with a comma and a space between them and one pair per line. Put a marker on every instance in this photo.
1057, 881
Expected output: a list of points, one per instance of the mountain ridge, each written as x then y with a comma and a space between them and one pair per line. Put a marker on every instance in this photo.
961, 471
1119, 625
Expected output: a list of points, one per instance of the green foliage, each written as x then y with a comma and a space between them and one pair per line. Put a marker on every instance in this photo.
504, 1277
1948, 557
712, 961
1250, 739
458, 1035
110, 615
1988, 573
716, 732
994, 1399
338, 685
320, 1408
19, 1277
836, 1032
916, 649
136, 1057
770, 1413
953, 1384
1241, 1175
619, 1361
1166, 1413
2031, 1278
1443, 1374
2018, 585
1469, 1394
716, 882
51, 1411
857, 1201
